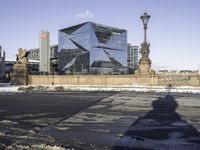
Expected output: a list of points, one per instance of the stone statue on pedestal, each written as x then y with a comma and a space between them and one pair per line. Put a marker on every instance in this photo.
20, 69
22, 57
144, 51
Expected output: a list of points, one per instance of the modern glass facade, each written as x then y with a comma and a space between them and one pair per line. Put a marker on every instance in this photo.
92, 48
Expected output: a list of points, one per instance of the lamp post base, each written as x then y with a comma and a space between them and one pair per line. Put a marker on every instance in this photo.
145, 67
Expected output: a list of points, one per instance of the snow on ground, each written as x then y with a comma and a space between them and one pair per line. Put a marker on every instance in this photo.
135, 88
9, 89
36, 147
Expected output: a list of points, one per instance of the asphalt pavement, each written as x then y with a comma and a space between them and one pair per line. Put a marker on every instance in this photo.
100, 120
34, 113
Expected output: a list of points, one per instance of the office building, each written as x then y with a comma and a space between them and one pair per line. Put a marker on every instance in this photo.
133, 57
2, 63
44, 64
92, 48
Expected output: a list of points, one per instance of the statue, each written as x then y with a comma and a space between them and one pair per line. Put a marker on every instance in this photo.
20, 69
145, 50
22, 57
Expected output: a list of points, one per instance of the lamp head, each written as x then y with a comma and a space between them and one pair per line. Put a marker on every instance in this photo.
145, 18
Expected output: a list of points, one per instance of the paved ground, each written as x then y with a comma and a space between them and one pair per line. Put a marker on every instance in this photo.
100, 120
24, 117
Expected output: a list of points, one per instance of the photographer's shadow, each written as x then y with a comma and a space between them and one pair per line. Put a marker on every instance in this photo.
161, 128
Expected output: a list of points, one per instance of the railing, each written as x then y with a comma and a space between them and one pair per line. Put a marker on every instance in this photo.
155, 80
174, 80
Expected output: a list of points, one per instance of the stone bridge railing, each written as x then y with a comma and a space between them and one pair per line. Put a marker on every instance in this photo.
178, 80
109, 80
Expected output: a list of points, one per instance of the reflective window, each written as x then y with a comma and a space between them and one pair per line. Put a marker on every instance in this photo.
94, 47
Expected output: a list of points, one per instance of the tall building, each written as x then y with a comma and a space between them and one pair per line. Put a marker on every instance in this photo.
2, 63
133, 57
44, 65
92, 48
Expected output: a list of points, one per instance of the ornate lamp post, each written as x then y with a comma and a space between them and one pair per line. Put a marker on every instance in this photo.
145, 46
145, 62
145, 19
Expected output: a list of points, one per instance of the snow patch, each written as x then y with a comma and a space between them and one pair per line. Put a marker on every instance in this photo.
134, 88
48, 147
2, 134
8, 122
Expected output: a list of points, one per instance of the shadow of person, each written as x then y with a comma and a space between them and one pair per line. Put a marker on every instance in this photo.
161, 128
169, 88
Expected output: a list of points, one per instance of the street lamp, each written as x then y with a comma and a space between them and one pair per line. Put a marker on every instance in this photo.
145, 19
145, 46
145, 62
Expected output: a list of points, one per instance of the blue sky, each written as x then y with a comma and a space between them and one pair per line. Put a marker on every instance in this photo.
173, 30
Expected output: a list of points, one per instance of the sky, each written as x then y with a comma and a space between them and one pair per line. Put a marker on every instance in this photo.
173, 29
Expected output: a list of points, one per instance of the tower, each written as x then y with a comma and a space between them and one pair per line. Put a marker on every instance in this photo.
2, 62
44, 65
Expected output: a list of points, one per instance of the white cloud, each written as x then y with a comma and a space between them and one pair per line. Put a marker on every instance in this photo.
86, 14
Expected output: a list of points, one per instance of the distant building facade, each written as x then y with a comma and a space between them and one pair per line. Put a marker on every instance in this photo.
34, 54
2, 62
133, 57
92, 48
44, 64
33, 66
199, 69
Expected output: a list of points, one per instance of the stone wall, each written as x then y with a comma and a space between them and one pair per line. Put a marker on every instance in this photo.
82, 80
150, 80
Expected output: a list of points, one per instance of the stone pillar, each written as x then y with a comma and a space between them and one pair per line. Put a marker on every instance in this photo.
194, 80
20, 74
144, 66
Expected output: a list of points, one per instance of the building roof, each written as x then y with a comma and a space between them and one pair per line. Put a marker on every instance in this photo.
71, 29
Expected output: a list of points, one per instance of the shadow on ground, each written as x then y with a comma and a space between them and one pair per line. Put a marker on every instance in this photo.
161, 128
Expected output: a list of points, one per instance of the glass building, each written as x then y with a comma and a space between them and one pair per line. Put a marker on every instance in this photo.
92, 48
